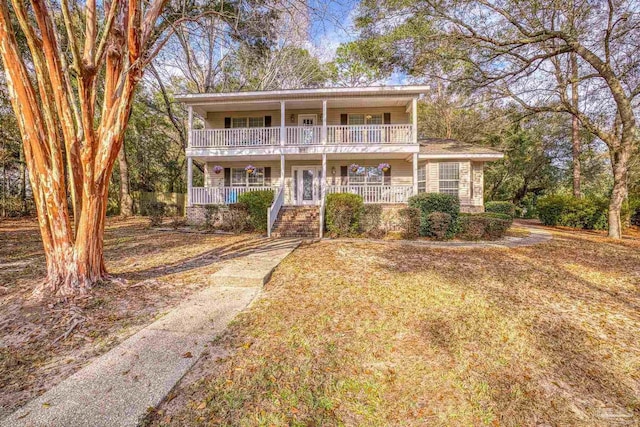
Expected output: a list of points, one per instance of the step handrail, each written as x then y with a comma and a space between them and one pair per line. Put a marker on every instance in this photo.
274, 209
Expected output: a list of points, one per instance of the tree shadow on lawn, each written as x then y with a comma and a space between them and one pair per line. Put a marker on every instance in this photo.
583, 333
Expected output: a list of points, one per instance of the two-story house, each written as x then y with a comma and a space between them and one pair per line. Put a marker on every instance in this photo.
307, 143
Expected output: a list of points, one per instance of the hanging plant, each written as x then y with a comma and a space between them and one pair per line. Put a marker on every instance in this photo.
250, 169
217, 169
384, 167
354, 167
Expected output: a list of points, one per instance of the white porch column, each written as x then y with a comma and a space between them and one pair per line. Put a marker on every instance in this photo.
189, 180
414, 119
323, 190
282, 122
415, 173
324, 121
282, 169
190, 127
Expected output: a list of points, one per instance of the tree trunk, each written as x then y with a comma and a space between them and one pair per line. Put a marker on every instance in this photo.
575, 127
619, 163
126, 202
23, 184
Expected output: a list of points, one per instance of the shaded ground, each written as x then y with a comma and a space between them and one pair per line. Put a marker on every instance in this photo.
160, 268
357, 333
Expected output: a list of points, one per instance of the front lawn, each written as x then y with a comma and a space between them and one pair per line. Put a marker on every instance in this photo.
381, 334
43, 343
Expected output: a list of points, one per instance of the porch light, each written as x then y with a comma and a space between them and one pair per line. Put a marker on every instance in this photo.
292, 118
333, 170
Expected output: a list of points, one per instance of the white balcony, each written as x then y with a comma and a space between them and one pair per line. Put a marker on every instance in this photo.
303, 135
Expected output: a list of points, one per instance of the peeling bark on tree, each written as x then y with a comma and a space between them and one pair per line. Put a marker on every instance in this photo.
65, 132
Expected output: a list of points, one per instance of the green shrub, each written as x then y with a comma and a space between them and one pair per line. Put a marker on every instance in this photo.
258, 203
371, 220
409, 222
634, 210
236, 218
439, 225
483, 226
589, 213
506, 208
343, 211
156, 211
436, 202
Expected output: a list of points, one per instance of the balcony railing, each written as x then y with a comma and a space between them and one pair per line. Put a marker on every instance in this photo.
370, 134
376, 193
302, 135
234, 137
220, 195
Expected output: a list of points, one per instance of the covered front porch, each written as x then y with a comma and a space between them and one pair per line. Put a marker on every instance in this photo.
307, 179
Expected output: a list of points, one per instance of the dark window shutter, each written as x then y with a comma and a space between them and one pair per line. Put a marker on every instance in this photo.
267, 176
387, 118
227, 177
344, 175
387, 177
227, 122
387, 133
344, 119
267, 121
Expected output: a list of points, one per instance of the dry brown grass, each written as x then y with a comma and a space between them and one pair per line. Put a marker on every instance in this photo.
160, 269
385, 334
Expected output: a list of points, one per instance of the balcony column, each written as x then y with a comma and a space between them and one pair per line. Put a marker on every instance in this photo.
282, 170
282, 122
414, 119
189, 180
323, 191
415, 173
324, 121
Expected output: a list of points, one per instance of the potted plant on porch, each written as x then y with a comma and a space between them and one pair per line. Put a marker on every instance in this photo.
384, 167
250, 169
217, 169
354, 167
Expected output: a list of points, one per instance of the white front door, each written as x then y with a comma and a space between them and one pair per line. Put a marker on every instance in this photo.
306, 184
306, 123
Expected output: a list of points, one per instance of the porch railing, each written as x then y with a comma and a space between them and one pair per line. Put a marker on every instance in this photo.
304, 135
370, 134
204, 138
220, 195
384, 194
272, 212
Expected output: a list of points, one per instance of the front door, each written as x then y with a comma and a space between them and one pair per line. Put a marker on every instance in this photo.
306, 184
306, 123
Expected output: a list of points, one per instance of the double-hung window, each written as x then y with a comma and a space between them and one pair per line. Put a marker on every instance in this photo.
247, 122
449, 178
240, 178
366, 175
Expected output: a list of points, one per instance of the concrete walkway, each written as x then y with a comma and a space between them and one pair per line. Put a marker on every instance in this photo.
118, 388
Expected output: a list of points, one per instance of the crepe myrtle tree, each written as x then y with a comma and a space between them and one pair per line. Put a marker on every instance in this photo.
538, 54
72, 69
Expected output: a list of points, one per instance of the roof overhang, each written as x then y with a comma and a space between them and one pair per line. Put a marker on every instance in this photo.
486, 157
370, 96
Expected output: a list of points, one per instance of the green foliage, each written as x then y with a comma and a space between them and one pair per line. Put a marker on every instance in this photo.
258, 203
410, 222
439, 225
436, 202
634, 210
236, 218
370, 220
506, 208
589, 213
156, 211
343, 212
351, 68
483, 226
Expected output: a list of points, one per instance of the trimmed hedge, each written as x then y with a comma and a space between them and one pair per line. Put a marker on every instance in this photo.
428, 203
483, 226
506, 208
439, 225
343, 211
589, 213
410, 222
257, 203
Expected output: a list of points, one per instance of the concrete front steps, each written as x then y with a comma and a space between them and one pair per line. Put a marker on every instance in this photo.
297, 221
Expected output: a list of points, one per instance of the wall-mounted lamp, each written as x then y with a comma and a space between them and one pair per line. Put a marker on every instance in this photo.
333, 170
293, 118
